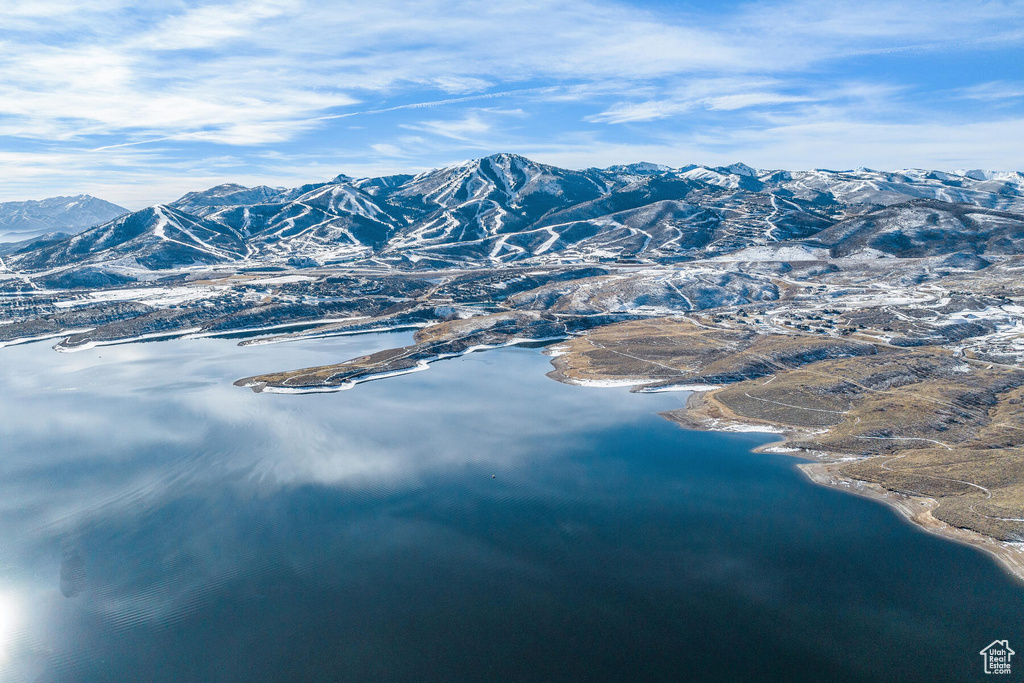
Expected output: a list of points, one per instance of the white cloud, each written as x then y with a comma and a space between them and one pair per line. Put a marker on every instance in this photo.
753, 99
812, 142
388, 150
212, 25
734, 94
640, 111
265, 64
993, 91
459, 85
852, 23
471, 127
81, 78
659, 109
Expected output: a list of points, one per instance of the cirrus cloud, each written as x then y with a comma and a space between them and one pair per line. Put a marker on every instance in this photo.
274, 85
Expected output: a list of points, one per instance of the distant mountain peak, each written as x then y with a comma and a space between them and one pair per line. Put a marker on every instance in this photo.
226, 194
981, 175
739, 168
23, 220
639, 168
507, 157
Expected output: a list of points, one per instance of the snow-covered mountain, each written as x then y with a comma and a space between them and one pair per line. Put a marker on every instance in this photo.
224, 196
926, 227
508, 209
26, 220
156, 238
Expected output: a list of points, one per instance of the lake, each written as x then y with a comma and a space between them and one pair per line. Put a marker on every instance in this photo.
474, 522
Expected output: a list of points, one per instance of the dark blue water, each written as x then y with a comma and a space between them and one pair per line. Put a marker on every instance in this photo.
475, 522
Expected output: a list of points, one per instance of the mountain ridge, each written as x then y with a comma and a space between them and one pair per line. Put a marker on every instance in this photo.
506, 208
29, 219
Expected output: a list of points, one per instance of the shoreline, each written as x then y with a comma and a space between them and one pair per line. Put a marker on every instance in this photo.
917, 510
707, 414
703, 413
324, 387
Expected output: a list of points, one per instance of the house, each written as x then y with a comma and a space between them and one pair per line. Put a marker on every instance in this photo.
997, 657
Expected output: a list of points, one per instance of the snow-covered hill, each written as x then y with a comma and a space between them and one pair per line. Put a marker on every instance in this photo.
505, 208
29, 219
156, 238
927, 227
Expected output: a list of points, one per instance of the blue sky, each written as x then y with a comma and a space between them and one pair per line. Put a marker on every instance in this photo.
139, 102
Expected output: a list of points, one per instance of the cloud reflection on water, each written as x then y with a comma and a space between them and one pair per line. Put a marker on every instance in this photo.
159, 519
111, 427
149, 447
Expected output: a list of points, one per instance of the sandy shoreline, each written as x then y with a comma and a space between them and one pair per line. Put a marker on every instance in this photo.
918, 509
702, 412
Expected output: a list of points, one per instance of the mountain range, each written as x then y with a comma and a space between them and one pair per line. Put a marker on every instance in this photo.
505, 208
32, 219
